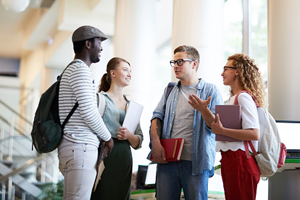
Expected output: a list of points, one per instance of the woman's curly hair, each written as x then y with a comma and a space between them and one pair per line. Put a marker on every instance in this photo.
249, 77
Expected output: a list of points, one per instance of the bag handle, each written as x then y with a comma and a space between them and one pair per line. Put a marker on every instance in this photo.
247, 148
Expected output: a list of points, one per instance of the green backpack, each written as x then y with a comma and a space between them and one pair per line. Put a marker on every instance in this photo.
47, 131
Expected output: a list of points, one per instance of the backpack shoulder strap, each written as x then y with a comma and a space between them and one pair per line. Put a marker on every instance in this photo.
73, 61
101, 103
248, 141
69, 115
76, 104
236, 98
169, 89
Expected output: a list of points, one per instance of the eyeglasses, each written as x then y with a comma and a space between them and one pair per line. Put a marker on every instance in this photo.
180, 61
228, 67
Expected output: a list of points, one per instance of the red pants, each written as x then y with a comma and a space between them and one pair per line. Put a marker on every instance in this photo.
240, 175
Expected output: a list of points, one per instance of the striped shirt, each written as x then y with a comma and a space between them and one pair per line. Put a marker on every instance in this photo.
85, 124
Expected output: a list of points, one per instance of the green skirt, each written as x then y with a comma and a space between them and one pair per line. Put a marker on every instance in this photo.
115, 183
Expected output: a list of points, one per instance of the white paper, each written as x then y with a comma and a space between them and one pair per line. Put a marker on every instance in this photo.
133, 115
151, 174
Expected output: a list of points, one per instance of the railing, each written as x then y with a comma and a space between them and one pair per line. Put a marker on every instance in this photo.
15, 145
15, 112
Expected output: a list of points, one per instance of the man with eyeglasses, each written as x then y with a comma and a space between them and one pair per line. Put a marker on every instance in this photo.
186, 113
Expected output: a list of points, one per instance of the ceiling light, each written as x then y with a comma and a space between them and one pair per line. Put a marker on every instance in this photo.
15, 5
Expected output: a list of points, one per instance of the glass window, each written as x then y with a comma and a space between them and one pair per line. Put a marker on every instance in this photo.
163, 68
232, 34
259, 35
233, 27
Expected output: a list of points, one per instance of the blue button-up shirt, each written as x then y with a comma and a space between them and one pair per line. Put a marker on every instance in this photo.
203, 147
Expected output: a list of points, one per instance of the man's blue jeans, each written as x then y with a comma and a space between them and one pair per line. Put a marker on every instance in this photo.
174, 176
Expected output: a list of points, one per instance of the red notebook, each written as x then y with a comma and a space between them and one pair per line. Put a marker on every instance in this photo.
230, 117
173, 148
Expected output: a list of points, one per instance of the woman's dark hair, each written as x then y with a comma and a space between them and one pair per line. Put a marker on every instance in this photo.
78, 46
106, 78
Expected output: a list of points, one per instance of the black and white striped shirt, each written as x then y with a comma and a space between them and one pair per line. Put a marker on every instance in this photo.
85, 124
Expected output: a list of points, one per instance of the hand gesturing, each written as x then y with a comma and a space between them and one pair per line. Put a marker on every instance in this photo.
198, 103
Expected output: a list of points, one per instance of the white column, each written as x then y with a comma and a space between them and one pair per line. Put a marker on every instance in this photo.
199, 23
283, 59
134, 40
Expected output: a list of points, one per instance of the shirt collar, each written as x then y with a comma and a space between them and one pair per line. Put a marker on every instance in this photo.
200, 84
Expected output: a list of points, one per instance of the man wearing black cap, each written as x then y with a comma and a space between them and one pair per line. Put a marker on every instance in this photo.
78, 150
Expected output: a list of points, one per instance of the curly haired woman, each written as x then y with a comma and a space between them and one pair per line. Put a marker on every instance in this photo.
240, 174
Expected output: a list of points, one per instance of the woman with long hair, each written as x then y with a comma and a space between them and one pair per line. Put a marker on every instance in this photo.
240, 174
115, 180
